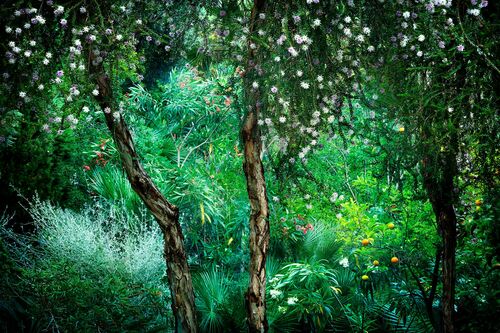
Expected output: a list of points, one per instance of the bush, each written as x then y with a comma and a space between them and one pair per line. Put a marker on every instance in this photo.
91, 271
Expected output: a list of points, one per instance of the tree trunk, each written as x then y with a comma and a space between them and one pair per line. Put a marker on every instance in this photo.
255, 297
440, 190
259, 224
166, 214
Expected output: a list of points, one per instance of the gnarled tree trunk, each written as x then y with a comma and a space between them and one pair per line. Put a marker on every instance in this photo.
166, 214
255, 297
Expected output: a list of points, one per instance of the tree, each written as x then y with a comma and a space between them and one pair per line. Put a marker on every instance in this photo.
437, 82
96, 67
255, 296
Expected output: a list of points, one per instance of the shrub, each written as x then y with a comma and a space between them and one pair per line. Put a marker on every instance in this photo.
91, 271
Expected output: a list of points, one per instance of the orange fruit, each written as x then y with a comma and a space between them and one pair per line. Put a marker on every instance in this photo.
365, 242
401, 129
365, 277
394, 260
390, 225
478, 202
375, 263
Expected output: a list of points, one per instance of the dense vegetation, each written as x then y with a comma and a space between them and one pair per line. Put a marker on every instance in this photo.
227, 166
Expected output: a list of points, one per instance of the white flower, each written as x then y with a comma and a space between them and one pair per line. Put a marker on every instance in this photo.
116, 115
107, 110
473, 12
81, 67
41, 87
339, 216
83, 10
421, 38
260, 122
255, 85
8, 30
292, 300
309, 206
420, 53
371, 48
86, 109
316, 22
319, 78
292, 51
45, 61
119, 37
275, 293
22, 94
282, 119
95, 92
276, 199
344, 262
366, 30
360, 38
277, 59
406, 15
268, 121
40, 19
139, 22
27, 53
59, 10
347, 32
299, 73
48, 55
347, 19
12, 44
304, 85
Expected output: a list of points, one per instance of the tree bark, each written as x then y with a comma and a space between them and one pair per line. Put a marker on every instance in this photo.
255, 297
440, 190
259, 224
166, 214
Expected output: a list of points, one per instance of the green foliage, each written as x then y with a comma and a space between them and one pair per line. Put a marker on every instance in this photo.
218, 309
90, 271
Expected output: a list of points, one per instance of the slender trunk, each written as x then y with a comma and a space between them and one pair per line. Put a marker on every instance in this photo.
429, 299
259, 224
166, 214
255, 297
440, 192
